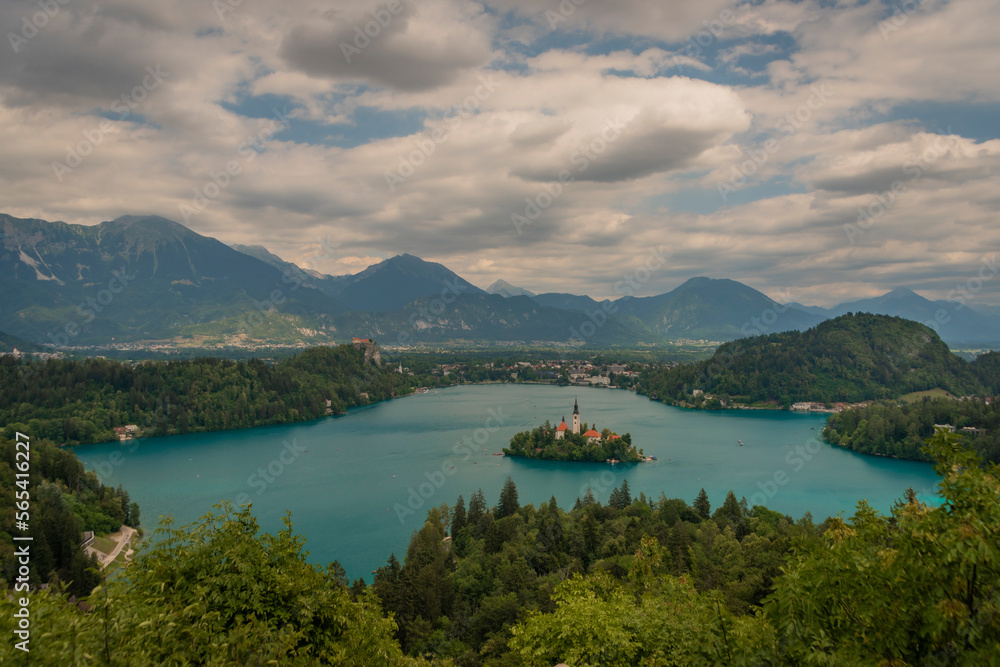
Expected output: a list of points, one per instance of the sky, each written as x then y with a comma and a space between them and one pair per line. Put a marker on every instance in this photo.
817, 151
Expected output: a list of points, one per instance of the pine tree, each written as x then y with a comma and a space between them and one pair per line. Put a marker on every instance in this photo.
477, 508
702, 506
730, 509
615, 500
508, 499
626, 494
679, 543
459, 518
126, 505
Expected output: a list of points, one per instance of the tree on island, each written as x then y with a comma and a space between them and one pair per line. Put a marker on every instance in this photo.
542, 443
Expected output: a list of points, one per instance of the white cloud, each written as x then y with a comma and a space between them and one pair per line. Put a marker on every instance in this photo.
679, 133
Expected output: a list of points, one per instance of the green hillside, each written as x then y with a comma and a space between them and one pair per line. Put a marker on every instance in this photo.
80, 402
63, 500
890, 428
851, 358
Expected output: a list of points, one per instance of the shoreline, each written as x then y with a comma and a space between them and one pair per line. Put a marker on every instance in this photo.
416, 392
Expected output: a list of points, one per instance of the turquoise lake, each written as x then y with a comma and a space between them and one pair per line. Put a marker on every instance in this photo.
359, 491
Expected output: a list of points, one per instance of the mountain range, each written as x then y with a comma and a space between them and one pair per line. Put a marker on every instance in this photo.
142, 280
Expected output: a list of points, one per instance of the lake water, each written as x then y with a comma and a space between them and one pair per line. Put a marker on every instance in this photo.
368, 477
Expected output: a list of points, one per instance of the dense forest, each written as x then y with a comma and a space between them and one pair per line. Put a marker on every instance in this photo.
633, 582
65, 500
855, 357
80, 402
541, 443
889, 428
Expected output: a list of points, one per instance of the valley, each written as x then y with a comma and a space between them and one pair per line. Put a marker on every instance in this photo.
144, 283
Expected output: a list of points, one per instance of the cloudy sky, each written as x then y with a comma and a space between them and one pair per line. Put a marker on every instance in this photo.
818, 151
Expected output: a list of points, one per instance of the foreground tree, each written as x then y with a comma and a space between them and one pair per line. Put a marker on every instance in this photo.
212, 593
508, 499
657, 620
702, 506
921, 586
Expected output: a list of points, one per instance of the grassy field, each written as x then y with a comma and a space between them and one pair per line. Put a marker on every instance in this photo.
104, 544
914, 396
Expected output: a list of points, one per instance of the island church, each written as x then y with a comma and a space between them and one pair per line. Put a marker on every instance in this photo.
591, 435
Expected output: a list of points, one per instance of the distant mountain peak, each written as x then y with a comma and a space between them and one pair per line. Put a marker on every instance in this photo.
506, 290
150, 222
901, 293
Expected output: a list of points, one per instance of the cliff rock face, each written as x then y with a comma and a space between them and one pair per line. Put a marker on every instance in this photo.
372, 353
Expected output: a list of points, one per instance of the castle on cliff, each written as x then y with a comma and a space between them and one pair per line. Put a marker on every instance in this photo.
372, 353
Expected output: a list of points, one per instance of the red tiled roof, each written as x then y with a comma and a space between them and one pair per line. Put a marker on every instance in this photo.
592, 434
562, 427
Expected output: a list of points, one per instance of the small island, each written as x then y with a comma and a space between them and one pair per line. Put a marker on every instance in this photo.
574, 443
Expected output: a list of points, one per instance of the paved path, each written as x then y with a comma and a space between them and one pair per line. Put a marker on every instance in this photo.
126, 537
123, 539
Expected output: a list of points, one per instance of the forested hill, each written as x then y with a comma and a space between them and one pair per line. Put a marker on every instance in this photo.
889, 428
80, 402
855, 357
64, 500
